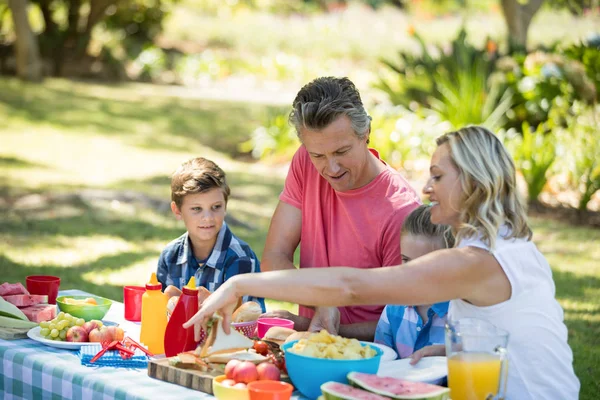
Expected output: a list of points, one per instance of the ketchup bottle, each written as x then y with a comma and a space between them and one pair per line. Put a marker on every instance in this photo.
177, 339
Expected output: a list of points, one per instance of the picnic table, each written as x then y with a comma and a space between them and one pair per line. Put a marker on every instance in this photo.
32, 370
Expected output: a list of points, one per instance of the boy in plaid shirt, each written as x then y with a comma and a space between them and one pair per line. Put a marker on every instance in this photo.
209, 251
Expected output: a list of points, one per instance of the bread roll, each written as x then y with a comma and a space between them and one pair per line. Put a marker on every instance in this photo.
249, 311
171, 304
278, 334
298, 336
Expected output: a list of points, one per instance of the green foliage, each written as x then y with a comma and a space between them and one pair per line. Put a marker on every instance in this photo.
275, 140
455, 83
138, 23
403, 137
537, 80
534, 153
581, 148
589, 56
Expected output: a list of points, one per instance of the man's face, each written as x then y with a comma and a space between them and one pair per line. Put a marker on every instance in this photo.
338, 154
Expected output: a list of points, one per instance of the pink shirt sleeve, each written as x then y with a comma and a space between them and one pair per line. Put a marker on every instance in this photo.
294, 182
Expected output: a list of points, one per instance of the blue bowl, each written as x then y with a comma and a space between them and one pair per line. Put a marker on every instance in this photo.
309, 373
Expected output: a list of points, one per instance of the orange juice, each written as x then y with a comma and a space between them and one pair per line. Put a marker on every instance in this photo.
473, 376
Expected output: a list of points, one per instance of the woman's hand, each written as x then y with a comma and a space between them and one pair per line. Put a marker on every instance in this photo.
223, 301
428, 351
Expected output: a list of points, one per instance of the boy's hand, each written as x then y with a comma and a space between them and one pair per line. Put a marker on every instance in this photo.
428, 351
327, 318
300, 323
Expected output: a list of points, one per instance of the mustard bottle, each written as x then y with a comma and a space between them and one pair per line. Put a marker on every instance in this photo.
154, 316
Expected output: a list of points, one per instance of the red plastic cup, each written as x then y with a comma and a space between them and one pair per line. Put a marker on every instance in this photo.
265, 323
44, 285
270, 390
132, 298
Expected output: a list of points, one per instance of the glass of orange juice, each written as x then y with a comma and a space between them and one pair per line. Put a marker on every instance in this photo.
477, 360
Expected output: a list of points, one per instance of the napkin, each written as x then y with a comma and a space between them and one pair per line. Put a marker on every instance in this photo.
111, 358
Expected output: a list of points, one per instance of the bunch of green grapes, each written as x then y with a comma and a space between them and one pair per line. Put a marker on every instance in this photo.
56, 329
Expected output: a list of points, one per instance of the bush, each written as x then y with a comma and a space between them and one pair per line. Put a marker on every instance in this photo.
455, 83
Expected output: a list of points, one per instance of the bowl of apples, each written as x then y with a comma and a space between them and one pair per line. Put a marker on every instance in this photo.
86, 307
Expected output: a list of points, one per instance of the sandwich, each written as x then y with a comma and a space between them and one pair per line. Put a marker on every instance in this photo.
247, 312
221, 348
278, 334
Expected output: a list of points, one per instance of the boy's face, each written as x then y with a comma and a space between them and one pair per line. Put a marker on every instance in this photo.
415, 246
202, 214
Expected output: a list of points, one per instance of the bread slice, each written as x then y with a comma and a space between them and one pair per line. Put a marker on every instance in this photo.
242, 355
218, 342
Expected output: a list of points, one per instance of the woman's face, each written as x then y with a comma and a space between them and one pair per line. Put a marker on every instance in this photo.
444, 188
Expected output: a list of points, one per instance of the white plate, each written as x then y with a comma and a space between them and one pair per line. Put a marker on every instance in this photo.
428, 369
34, 334
388, 353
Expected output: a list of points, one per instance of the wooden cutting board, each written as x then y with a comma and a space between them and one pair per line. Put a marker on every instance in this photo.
189, 378
13, 333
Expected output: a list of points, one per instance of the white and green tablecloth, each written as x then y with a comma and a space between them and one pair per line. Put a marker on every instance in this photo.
32, 370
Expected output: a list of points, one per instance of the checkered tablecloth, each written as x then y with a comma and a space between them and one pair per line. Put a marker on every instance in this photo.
32, 370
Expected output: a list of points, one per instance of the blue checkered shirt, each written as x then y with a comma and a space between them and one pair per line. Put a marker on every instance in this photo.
402, 328
230, 256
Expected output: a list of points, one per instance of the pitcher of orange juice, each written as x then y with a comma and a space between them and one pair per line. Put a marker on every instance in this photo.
477, 360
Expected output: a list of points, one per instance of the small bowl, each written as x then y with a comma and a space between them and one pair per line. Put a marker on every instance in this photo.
265, 323
247, 328
87, 312
222, 392
309, 373
270, 390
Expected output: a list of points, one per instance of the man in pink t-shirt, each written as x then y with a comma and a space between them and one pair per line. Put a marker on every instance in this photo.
341, 203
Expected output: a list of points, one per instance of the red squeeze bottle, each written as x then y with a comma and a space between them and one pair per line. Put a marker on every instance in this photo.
177, 338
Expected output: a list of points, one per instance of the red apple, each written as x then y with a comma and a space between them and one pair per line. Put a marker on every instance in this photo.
240, 385
268, 372
77, 334
245, 372
90, 325
101, 335
228, 382
230, 367
116, 332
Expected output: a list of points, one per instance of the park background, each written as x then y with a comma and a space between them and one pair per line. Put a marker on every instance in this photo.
100, 101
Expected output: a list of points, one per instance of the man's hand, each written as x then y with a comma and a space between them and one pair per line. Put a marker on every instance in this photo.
428, 351
327, 318
300, 323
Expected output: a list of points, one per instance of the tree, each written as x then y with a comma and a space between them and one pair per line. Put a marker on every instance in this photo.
518, 15
29, 64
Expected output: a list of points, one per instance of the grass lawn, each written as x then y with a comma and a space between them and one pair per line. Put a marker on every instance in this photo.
84, 194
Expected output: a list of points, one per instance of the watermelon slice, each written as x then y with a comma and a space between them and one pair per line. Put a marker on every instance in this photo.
398, 388
340, 391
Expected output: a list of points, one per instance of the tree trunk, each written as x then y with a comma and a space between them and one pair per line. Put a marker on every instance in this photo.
518, 15
29, 64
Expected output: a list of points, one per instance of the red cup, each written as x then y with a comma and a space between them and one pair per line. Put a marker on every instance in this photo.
132, 298
270, 390
44, 285
265, 323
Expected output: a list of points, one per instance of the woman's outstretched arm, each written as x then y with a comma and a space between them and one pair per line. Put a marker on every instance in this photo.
469, 273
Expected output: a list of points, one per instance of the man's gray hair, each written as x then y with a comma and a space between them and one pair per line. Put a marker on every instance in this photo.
323, 100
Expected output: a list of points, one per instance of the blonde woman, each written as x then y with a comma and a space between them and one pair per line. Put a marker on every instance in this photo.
494, 272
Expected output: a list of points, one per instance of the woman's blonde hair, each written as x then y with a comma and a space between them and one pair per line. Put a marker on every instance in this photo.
487, 175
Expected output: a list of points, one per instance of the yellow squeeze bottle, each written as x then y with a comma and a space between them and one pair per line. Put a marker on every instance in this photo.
154, 316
